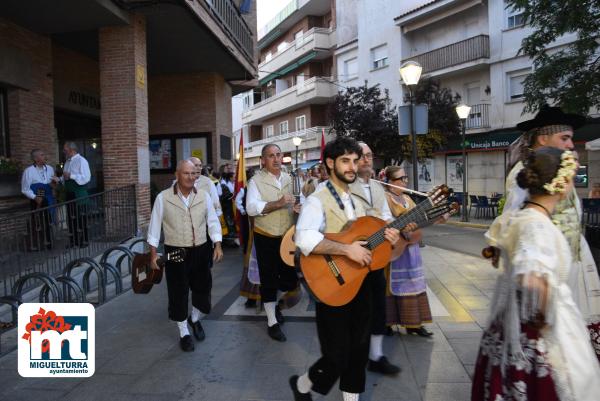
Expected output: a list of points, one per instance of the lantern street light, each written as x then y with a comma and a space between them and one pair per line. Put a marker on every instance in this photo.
410, 72
297, 141
463, 110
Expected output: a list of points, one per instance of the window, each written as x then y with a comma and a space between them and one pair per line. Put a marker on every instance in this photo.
515, 84
268, 131
3, 124
379, 57
300, 123
300, 80
247, 99
282, 46
350, 69
283, 127
269, 56
514, 17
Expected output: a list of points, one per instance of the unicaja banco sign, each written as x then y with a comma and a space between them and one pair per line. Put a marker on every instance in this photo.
56, 340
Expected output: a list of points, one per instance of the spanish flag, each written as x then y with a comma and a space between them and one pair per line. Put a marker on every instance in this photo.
240, 181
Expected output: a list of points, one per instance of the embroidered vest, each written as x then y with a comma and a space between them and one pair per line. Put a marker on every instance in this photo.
204, 183
277, 222
184, 227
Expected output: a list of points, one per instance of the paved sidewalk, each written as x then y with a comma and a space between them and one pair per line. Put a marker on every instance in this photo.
138, 357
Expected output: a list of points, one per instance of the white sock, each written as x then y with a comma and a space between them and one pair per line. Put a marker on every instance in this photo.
350, 396
270, 310
376, 347
183, 328
304, 384
196, 314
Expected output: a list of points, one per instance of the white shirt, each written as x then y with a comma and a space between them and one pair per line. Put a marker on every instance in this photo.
214, 226
229, 185
311, 222
254, 203
386, 213
214, 197
35, 175
79, 169
239, 204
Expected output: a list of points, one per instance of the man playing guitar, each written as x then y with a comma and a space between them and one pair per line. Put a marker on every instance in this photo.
343, 331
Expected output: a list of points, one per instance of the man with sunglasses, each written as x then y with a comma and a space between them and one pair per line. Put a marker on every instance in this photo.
372, 196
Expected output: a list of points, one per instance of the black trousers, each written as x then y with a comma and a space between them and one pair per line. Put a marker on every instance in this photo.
274, 274
77, 221
344, 334
191, 274
41, 230
378, 283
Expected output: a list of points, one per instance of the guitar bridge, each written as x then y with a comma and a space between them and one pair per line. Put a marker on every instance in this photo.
334, 270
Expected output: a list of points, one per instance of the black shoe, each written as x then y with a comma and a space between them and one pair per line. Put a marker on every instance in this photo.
298, 396
197, 329
383, 366
250, 303
389, 331
421, 331
275, 333
186, 343
279, 315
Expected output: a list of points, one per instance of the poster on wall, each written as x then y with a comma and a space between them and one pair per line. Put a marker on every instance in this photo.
426, 175
191, 147
160, 154
454, 172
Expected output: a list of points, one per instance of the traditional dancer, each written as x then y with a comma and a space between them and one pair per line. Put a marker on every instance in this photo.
406, 302
343, 331
186, 215
271, 203
536, 346
551, 127
372, 196
248, 289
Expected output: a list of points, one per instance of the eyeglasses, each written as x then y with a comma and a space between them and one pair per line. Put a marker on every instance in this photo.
401, 178
367, 156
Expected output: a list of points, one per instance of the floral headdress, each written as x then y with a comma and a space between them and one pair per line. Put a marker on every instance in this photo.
566, 171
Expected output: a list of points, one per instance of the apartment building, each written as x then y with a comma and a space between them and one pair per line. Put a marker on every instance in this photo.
296, 73
471, 47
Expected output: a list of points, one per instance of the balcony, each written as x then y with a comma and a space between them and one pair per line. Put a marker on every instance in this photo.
466, 51
479, 116
316, 90
228, 16
311, 138
317, 40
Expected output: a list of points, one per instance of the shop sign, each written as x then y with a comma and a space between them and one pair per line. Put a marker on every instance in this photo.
75, 99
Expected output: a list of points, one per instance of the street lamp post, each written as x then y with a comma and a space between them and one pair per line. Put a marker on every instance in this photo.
297, 141
410, 72
463, 113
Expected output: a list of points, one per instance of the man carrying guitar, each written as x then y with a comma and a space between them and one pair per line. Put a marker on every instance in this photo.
372, 195
271, 202
343, 331
185, 214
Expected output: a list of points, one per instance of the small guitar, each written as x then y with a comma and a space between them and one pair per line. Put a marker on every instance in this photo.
335, 280
143, 276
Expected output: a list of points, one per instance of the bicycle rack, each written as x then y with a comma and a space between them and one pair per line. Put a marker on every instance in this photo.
86, 276
126, 253
108, 268
69, 285
48, 281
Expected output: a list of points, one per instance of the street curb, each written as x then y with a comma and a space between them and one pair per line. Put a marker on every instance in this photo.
469, 225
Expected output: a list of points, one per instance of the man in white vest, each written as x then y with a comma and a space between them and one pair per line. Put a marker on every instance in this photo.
271, 203
204, 183
186, 215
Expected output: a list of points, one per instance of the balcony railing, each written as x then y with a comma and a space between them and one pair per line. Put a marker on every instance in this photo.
457, 53
305, 134
228, 16
479, 116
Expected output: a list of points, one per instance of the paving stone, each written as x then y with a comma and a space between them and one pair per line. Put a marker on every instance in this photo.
447, 392
465, 349
438, 367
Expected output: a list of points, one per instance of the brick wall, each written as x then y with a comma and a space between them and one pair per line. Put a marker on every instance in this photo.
75, 69
30, 112
124, 98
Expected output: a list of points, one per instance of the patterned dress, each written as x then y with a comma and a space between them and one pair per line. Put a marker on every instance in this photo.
551, 359
406, 296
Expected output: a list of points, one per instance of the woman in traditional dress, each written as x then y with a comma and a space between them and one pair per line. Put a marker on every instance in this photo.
536, 346
406, 301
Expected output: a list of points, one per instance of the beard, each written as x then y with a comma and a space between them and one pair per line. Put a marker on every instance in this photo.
342, 177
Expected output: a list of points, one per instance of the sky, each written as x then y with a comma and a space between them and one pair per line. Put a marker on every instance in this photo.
267, 9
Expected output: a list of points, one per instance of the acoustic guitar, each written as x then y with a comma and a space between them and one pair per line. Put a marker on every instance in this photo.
143, 276
334, 279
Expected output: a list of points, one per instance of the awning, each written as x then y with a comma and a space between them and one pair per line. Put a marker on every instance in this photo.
593, 145
310, 164
285, 70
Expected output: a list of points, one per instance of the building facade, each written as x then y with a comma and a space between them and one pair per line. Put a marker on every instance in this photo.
297, 75
138, 85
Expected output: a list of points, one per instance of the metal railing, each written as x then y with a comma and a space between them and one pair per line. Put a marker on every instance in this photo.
479, 116
457, 53
228, 16
45, 240
305, 134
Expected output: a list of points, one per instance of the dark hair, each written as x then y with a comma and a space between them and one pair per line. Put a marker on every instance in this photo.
340, 146
541, 167
267, 146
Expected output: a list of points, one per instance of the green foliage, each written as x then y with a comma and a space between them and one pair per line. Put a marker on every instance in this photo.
365, 114
570, 76
9, 166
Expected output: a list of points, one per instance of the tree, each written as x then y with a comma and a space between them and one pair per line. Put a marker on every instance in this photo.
570, 76
364, 114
